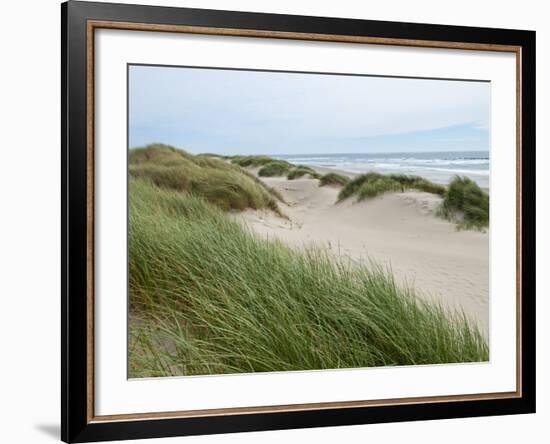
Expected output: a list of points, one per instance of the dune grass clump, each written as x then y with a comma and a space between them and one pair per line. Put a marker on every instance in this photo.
372, 184
208, 297
301, 171
270, 167
274, 168
219, 182
333, 179
251, 161
466, 204
418, 183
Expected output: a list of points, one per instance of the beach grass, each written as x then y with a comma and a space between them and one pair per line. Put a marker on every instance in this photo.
217, 181
372, 184
274, 168
251, 161
270, 167
333, 179
208, 297
219, 156
466, 204
301, 171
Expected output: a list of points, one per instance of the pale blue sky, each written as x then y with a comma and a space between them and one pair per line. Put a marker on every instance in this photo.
252, 112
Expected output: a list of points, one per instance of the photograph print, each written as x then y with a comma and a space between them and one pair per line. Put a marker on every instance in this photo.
292, 221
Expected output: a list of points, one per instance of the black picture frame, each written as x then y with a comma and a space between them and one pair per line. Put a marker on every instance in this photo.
76, 424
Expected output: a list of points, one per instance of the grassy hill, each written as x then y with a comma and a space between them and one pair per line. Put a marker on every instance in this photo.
217, 181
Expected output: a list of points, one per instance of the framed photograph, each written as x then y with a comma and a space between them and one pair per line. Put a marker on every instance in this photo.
275, 221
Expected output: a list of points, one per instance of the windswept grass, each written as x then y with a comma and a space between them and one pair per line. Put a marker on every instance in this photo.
333, 179
372, 184
219, 156
302, 170
252, 161
274, 168
270, 167
208, 297
220, 183
466, 204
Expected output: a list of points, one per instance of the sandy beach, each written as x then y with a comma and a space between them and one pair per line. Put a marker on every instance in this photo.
397, 230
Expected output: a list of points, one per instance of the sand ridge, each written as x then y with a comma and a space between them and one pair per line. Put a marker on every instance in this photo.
397, 230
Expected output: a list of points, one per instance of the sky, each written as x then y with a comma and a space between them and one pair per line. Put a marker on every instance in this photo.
257, 112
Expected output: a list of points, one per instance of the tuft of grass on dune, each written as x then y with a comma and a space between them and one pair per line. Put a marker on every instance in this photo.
418, 183
208, 297
372, 184
219, 182
466, 204
333, 179
274, 168
251, 161
302, 170
270, 167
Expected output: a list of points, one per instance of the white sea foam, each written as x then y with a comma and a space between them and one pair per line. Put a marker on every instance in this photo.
440, 167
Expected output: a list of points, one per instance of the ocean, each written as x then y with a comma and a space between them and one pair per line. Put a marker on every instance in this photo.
439, 167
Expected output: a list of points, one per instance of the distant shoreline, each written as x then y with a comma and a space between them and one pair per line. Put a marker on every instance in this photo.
438, 167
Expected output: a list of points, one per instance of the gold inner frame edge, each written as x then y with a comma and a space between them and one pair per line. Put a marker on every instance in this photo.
104, 24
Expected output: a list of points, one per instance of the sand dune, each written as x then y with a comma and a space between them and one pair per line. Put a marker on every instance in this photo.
398, 230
